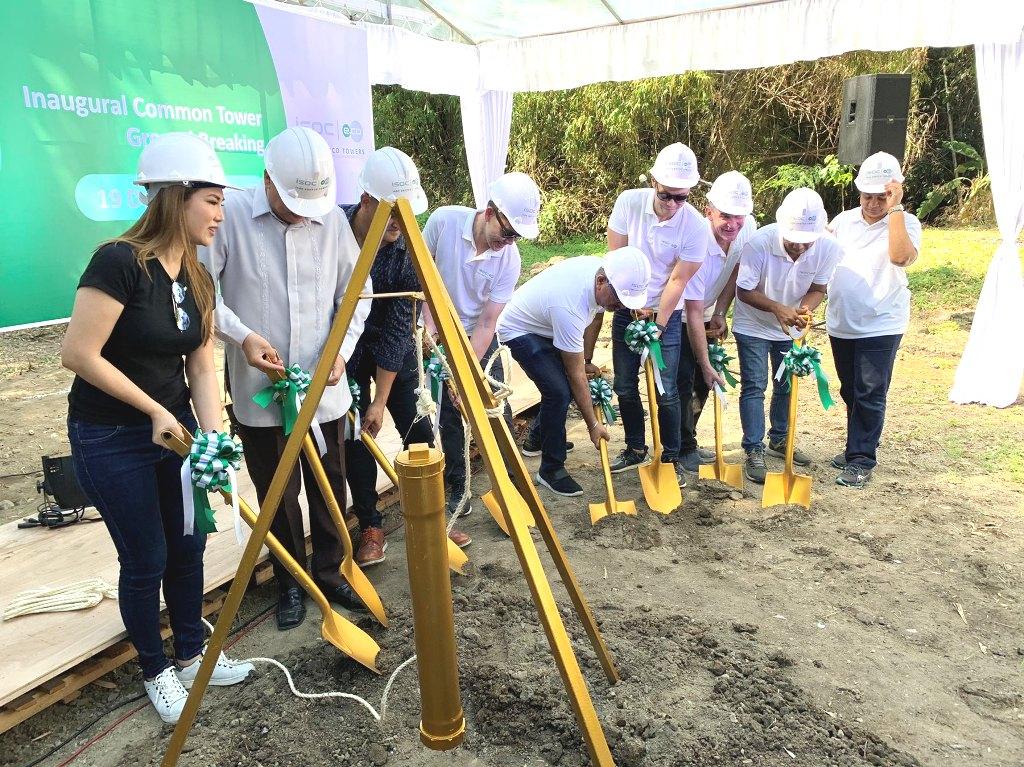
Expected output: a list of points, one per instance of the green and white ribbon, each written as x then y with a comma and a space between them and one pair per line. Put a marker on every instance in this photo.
601, 396
641, 338
434, 368
801, 361
720, 360
290, 393
354, 425
210, 466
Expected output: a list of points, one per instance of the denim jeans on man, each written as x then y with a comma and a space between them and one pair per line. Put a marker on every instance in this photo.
627, 385
542, 363
759, 361
453, 435
136, 487
361, 465
865, 368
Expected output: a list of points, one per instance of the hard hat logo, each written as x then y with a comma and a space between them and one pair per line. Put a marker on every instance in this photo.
301, 166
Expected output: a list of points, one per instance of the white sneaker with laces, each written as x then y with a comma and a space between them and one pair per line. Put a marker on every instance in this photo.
226, 672
167, 695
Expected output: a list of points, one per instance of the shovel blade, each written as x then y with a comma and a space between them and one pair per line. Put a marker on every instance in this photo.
350, 639
598, 511
729, 473
660, 486
491, 502
364, 590
777, 490
457, 558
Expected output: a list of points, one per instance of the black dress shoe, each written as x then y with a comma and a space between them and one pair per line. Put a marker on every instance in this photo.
344, 596
291, 608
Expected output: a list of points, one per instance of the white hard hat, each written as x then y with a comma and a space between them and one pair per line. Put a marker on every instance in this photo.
518, 198
877, 171
299, 162
390, 173
731, 194
801, 216
676, 167
629, 272
178, 158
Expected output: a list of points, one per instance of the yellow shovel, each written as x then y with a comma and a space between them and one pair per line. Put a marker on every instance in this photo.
787, 486
348, 569
729, 473
658, 480
457, 558
336, 629
599, 511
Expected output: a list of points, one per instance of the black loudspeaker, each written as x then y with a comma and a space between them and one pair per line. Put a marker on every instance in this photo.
874, 117
59, 481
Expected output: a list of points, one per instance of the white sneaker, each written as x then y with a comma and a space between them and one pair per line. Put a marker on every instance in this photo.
225, 673
167, 695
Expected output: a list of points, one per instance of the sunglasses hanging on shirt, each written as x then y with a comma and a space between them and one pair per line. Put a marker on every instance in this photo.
181, 318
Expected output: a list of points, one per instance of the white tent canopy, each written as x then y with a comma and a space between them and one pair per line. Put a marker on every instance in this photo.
485, 51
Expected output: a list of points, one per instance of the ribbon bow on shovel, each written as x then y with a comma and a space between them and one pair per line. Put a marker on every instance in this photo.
601, 396
353, 425
641, 338
290, 391
210, 466
802, 361
720, 360
434, 368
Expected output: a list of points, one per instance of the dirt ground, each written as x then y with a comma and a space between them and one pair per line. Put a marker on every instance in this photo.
881, 627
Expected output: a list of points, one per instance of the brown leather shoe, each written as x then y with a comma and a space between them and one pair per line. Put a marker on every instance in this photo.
371, 547
459, 538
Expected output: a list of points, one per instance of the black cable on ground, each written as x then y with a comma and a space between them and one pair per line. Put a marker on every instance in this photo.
125, 702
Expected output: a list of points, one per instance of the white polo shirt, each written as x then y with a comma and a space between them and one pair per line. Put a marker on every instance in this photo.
558, 303
868, 294
708, 282
472, 280
682, 238
765, 266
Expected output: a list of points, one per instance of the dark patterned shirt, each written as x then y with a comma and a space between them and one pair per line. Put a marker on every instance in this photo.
388, 332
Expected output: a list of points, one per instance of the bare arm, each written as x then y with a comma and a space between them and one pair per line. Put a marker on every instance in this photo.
787, 316
719, 328
576, 373
92, 320
589, 342
382, 383
901, 249
681, 274
483, 333
699, 342
616, 240
202, 383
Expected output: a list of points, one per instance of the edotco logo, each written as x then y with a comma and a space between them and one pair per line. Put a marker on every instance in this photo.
352, 131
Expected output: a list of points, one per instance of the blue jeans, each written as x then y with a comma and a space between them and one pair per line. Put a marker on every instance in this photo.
136, 488
755, 355
453, 434
542, 363
627, 389
865, 368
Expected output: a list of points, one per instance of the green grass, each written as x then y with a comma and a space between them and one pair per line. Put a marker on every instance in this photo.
946, 276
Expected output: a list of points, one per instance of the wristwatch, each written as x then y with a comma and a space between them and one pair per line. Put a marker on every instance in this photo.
895, 209
589, 361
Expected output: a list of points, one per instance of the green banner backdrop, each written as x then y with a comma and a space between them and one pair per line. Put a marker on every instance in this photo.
84, 84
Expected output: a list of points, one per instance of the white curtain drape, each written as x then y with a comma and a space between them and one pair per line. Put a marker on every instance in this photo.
992, 365
486, 123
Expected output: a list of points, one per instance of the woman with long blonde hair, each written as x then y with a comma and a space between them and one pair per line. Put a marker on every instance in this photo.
140, 342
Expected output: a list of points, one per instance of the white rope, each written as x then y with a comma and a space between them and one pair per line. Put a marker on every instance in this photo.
379, 717
73, 596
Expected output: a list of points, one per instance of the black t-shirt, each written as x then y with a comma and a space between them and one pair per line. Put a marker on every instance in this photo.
145, 343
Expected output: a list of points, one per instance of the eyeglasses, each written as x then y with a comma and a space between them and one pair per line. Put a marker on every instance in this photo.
181, 318
504, 227
679, 199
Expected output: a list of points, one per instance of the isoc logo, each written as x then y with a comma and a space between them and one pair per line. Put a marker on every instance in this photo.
353, 131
